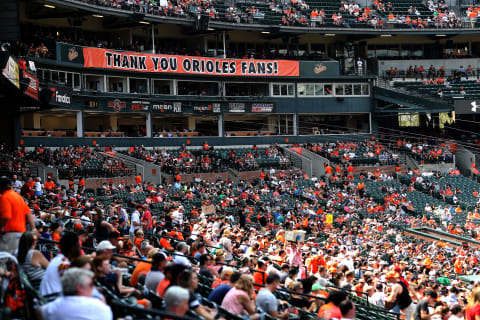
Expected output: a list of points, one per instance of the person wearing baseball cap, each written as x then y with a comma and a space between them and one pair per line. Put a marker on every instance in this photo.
400, 295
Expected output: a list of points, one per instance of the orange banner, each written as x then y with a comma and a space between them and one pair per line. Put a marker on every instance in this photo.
143, 62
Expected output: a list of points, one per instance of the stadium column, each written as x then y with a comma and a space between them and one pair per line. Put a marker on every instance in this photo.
295, 121
220, 125
79, 116
148, 120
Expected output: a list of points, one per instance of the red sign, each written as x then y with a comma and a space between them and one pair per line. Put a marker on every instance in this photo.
117, 105
142, 62
32, 89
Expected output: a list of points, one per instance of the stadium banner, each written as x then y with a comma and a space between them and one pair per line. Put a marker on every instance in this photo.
319, 69
69, 53
143, 62
206, 108
61, 96
167, 107
249, 107
467, 106
32, 89
11, 72
124, 105
262, 107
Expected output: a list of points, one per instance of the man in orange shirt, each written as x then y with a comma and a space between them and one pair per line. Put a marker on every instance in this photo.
260, 274
14, 213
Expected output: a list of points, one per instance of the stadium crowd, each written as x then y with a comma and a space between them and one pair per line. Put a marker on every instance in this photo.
224, 249
299, 13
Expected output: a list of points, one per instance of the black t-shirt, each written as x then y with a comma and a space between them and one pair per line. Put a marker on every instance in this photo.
101, 232
299, 302
422, 305
205, 272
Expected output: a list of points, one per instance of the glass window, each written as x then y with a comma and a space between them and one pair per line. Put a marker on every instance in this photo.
55, 76
76, 81
365, 90
310, 88
61, 77
328, 89
161, 86
138, 85
339, 89
408, 120
291, 90
276, 89
318, 89
283, 90
70, 79
357, 89
301, 89
348, 89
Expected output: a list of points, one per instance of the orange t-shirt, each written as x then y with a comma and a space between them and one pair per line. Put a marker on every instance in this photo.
138, 179
142, 267
13, 208
162, 287
258, 278
165, 244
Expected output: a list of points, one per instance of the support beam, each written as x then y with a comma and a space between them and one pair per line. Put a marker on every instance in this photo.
79, 118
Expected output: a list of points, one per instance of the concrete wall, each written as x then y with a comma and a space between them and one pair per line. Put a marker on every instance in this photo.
150, 172
318, 162
94, 183
300, 161
176, 142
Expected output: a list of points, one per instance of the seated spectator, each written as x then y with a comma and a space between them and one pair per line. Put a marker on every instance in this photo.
176, 300
267, 301
218, 294
155, 275
77, 302
189, 281
32, 261
70, 249
239, 299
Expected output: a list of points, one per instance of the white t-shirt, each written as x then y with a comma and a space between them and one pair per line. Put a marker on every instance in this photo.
76, 308
177, 217
51, 280
18, 185
181, 259
38, 186
135, 218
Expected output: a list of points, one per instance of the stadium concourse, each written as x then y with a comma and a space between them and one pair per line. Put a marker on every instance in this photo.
283, 245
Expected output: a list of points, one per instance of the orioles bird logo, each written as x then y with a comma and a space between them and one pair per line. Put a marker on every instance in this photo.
319, 68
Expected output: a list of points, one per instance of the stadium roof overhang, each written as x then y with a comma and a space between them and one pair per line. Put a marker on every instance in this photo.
215, 25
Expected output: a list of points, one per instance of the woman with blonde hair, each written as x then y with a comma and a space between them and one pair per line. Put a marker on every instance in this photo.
239, 299
472, 311
297, 300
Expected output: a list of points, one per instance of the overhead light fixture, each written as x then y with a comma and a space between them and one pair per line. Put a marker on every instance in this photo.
440, 35
97, 16
266, 32
49, 6
210, 29
144, 22
385, 35
329, 34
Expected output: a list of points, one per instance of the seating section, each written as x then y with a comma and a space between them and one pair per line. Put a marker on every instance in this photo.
213, 160
471, 89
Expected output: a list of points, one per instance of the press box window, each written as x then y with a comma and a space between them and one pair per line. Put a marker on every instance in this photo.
283, 90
